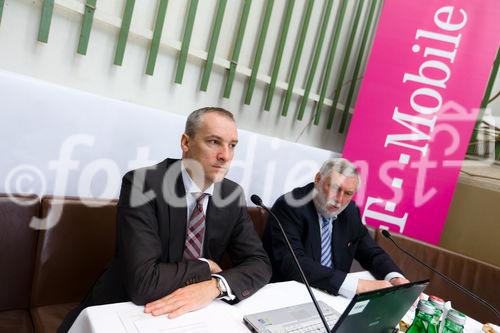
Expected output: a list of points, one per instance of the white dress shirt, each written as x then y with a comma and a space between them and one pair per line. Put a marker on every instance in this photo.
192, 193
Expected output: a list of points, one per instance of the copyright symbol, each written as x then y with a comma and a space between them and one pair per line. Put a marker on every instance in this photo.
24, 179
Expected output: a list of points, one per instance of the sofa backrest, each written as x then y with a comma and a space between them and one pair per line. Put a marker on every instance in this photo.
259, 219
72, 254
479, 277
17, 248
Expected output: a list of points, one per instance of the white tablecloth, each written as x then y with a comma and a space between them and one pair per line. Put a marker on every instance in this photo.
216, 317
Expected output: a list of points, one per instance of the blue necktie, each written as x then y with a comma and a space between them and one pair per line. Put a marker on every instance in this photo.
326, 243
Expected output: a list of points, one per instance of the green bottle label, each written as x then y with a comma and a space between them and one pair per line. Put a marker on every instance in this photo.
421, 323
451, 327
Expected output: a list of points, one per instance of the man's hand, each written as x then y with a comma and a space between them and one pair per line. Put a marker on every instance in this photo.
187, 299
214, 268
398, 280
369, 285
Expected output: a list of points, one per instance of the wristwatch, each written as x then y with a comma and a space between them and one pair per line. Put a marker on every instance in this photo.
221, 286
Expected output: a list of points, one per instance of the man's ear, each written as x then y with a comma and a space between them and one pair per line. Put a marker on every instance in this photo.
185, 143
317, 179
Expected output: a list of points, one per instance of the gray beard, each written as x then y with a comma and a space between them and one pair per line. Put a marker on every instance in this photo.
321, 204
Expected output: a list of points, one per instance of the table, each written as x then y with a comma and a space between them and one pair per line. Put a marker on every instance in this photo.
216, 317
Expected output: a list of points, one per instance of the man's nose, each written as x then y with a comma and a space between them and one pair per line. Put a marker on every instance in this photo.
338, 195
224, 154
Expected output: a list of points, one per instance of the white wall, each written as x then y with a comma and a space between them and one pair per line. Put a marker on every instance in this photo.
62, 141
58, 62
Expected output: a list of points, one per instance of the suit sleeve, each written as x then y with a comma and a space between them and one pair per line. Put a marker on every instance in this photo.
293, 223
251, 266
146, 278
371, 256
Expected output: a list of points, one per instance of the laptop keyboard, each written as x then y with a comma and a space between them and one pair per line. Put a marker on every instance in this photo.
315, 325
299, 318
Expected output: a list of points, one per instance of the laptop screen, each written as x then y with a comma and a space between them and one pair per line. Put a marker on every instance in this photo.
380, 310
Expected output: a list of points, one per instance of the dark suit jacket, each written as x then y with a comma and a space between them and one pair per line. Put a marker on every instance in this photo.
350, 240
151, 230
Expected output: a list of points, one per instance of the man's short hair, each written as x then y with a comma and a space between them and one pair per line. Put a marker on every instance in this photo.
193, 121
341, 166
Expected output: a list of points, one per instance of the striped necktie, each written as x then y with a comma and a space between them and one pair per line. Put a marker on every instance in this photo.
195, 230
326, 243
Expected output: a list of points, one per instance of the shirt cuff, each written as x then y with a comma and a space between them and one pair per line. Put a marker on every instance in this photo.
205, 260
349, 286
393, 275
230, 296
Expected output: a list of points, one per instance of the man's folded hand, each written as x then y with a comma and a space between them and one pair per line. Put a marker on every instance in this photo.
183, 300
369, 285
398, 280
214, 267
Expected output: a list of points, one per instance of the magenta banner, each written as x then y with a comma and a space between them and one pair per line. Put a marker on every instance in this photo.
417, 107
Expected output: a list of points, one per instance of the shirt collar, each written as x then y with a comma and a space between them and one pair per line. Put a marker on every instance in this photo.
321, 217
190, 185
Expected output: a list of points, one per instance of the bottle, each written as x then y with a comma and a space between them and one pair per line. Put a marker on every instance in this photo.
454, 322
423, 317
436, 319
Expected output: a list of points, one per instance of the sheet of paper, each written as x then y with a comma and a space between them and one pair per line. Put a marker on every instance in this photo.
213, 319
179, 325
130, 316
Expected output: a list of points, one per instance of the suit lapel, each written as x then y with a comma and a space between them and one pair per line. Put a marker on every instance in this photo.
315, 234
339, 238
177, 215
213, 224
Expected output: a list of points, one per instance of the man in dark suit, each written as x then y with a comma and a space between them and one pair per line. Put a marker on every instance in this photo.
175, 221
326, 233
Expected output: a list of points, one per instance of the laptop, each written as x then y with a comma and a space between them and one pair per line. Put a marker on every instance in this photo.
375, 311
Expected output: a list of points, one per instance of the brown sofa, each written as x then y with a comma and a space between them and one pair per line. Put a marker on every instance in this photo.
479, 277
45, 273
70, 256
17, 258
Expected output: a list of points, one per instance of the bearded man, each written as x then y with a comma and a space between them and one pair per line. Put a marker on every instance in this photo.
324, 227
